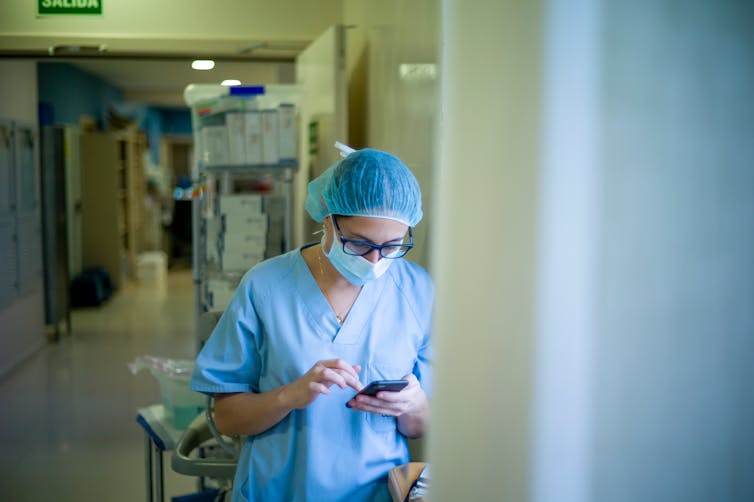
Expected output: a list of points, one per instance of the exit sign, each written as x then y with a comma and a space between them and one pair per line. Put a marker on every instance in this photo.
70, 7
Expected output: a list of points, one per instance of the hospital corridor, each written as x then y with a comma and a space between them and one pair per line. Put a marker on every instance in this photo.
68, 421
512, 241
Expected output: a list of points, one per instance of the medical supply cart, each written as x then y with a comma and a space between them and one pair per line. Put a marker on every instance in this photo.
245, 156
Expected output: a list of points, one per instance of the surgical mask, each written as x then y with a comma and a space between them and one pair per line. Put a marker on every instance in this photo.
356, 269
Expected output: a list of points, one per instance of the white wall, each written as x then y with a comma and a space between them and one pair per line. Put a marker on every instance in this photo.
400, 109
567, 279
674, 350
483, 247
163, 25
595, 271
21, 324
321, 72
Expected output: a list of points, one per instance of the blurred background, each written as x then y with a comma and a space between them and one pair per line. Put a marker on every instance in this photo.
588, 170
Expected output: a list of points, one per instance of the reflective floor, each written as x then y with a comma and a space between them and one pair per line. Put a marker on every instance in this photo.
68, 414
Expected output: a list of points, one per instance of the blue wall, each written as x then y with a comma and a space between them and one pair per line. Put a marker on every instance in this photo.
66, 93
176, 121
156, 121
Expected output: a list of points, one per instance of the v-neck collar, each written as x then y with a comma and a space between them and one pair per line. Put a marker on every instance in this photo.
323, 317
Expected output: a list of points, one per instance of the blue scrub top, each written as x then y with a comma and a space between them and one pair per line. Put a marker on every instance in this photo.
276, 327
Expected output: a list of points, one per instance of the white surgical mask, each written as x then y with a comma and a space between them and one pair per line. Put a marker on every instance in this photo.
355, 269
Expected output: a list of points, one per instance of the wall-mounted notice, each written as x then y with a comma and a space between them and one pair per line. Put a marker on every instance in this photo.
76, 7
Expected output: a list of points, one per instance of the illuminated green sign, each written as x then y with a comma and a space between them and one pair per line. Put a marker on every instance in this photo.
76, 7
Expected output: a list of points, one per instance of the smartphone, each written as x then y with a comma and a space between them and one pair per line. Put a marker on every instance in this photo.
378, 385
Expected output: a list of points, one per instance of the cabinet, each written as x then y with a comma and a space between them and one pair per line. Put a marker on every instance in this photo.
112, 201
20, 225
246, 150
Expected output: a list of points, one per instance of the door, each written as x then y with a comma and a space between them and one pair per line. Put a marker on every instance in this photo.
71, 138
54, 231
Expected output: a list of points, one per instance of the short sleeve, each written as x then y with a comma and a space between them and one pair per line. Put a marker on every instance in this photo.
230, 360
423, 294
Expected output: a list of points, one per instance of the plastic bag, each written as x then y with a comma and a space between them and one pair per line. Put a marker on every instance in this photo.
181, 404
177, 368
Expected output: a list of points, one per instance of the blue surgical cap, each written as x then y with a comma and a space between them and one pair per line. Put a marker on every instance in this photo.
366, 183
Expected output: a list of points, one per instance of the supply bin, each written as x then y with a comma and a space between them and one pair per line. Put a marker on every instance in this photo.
182, 405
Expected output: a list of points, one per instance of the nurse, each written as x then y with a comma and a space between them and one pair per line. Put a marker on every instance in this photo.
308, 329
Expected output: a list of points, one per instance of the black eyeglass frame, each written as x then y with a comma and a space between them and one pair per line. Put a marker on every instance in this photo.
379, 247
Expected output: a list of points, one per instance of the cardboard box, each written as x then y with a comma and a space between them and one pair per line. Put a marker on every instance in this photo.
152, 267
236, 243
218, 294
241, 222
287, 146
239, 260
270, 133
253, 137
240, 204
213, 229
235, 122
214, 145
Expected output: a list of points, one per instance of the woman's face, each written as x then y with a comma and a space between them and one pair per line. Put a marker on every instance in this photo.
371, 229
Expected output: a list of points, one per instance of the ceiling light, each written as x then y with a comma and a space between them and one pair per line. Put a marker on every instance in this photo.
203, 64
231, 81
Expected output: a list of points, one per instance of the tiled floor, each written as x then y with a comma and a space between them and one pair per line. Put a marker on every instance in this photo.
68, 430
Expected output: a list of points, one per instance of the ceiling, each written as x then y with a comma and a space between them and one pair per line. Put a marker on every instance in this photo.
144, 47
159, 81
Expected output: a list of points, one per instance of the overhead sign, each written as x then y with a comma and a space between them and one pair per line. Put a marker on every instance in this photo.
76, 7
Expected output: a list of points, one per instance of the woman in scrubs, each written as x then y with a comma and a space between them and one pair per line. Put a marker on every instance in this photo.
308, 329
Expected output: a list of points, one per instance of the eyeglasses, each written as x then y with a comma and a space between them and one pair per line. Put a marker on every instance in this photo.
362, 248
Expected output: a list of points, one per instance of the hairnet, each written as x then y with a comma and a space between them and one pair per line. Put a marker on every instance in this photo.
366, 183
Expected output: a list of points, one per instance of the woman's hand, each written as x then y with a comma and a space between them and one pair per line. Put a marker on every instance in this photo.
249, 413
318, 380
409, 400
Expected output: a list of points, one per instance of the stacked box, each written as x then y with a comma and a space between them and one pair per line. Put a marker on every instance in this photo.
219, 294
243, 235
212, 243
270, 133
240, 203
253, 137
240, 260
287, 133
234, 132
276, 210
235, 123
215, 143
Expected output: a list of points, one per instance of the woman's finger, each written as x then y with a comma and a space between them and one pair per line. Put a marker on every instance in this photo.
341, 365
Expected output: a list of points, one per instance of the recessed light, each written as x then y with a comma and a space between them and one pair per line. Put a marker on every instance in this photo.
231, 81
203, 64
